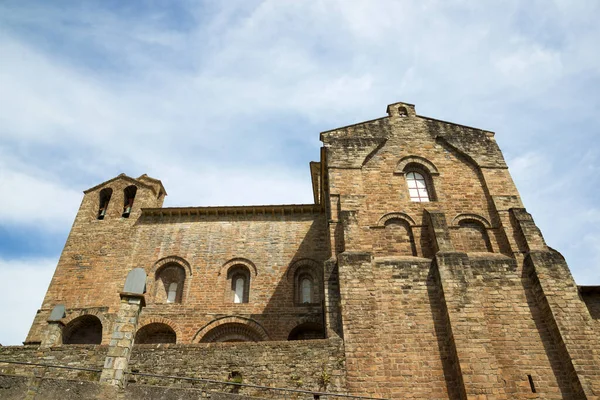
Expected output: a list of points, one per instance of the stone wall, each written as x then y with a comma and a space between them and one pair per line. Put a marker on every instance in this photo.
100, 253
19, 387
366, 165
314, 365
521, 341
77, 356
394, 331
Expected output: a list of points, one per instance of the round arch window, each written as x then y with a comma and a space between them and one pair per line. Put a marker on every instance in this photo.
417, 187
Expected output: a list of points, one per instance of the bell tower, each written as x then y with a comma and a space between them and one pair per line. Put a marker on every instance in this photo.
97, 255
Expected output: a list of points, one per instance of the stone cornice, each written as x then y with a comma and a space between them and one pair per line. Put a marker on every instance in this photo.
283, 209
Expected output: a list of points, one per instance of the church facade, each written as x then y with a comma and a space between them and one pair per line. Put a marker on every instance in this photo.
417, 261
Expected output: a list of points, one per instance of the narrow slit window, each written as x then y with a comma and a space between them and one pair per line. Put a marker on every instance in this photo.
531, 384
307, 290
417, 187
238, 277
172, 294
240, 283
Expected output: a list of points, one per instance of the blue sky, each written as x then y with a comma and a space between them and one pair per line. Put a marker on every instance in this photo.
224, 102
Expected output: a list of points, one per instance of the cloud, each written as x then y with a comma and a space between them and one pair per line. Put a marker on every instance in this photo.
28, 280
31, 199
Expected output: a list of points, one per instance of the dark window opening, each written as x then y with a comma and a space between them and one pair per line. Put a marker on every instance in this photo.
105, 195
155, 333
86, 329
307, 331
531, 384
129, 196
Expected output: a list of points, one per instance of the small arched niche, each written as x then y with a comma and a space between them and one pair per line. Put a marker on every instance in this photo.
104, 199
307, 331
86, 329
155, 333
128, 198
395, 238
472, 237
169, 283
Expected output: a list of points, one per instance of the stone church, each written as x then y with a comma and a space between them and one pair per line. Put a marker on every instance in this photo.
416, 273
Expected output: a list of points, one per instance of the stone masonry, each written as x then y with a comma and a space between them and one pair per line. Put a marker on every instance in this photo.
416, 274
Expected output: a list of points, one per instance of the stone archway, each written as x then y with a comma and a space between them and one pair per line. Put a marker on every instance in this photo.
231, 332
86, 329
155, 333
231, 329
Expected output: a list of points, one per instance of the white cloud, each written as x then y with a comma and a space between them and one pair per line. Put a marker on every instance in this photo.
26, 282
31, 200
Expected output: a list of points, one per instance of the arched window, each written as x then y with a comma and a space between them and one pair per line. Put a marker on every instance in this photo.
417, 187
105, 195
239, 284
128, 197
172, 293
169, 283
307, 288
307, 285
307, 331
86, 329
239, 275
155, 333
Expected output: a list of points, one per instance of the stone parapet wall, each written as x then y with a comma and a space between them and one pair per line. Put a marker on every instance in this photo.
75, 356
19, 387
314, 365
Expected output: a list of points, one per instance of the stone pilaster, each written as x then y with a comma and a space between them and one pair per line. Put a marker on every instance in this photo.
52, 335
121, 342
351, 238
438, 230
480, 371
333, 318
566, 314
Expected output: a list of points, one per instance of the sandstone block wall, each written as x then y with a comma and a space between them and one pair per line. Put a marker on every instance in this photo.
313, 365
81, 356
89, 276
394, 331
316, 365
